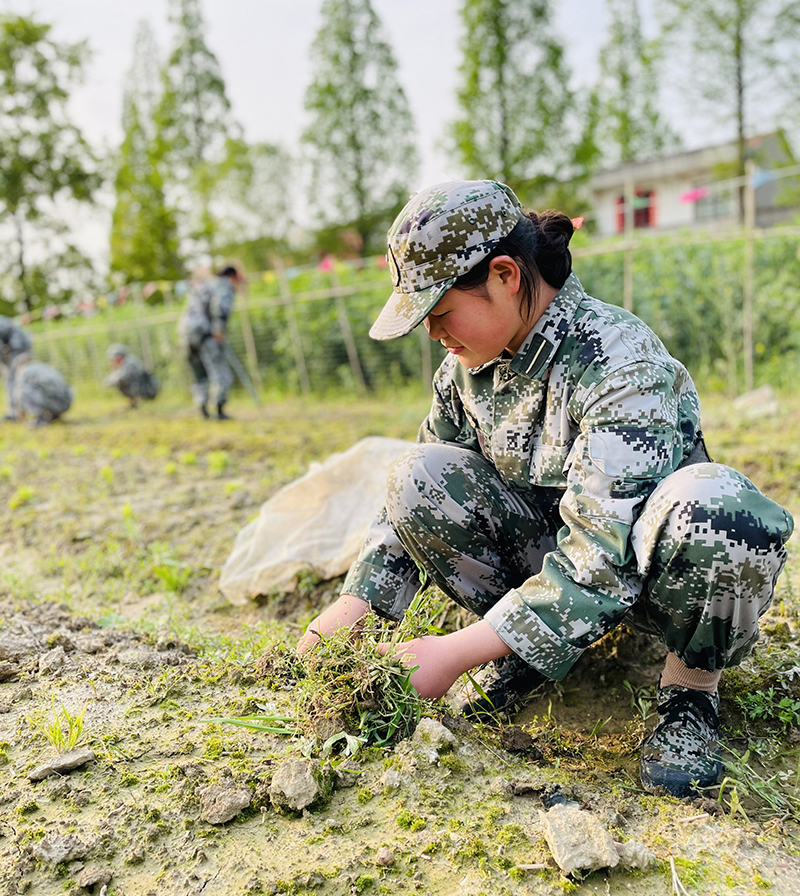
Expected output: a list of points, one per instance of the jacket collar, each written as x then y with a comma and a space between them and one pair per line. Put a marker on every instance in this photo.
547, 334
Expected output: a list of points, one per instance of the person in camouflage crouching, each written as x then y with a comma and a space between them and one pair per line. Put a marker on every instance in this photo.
130, 376
14, 341
40, 392
203, 327
561, 484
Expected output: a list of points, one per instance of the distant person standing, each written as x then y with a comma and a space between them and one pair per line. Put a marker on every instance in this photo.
40, 392
203, 328
130, 376
14, 341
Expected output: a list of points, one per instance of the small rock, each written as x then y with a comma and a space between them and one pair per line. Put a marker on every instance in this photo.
93, 875
23, 693
348, 774
15, 645
392, 779
515, 740
64, 762
431, 732
52, 661
296, 785
219, 804
385, 857
9, 671
635, 855
241, 498
54, 849
139, 657
577, 839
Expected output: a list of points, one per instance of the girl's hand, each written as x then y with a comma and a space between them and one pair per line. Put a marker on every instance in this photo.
441, 659
437, 670
344, 612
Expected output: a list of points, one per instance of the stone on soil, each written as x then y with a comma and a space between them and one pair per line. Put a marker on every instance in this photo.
219, 804
296, 785
578, 840
64, 762
54, 849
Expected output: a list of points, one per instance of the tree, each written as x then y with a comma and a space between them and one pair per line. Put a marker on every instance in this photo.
520, 118
194, 121
253, 202
360, 136
43, 156
736, 53
630, 126
144, 233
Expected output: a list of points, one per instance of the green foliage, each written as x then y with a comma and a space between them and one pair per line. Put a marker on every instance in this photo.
22, 496
144, 235
629, 124
62, 730
43, 159
748, 792
518, 114
769, 706
360, 136
742, 54
193, 122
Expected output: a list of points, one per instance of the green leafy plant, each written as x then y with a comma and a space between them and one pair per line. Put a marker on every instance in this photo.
173, 574
775, 795
769, 706
62, 730
643, 700
22, 496
218, 461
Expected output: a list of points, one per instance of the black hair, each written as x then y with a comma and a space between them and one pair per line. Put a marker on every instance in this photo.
539, 243
229, 271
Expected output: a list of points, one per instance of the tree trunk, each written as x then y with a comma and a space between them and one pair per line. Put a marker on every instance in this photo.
740, 129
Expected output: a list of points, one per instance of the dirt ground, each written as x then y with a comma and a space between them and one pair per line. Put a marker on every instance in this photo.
113, 529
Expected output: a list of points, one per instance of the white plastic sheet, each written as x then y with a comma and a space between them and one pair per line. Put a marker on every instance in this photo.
316, 523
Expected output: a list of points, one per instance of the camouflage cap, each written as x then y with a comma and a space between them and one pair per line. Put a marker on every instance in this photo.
116, 350
442, 233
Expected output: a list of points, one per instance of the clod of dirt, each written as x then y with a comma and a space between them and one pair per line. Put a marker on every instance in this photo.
219, 804
9, 671
635, 855
385, 857
63, 762
515, 740
296, 785
52, 661
578, 840
54, 849
93, 875
434, 734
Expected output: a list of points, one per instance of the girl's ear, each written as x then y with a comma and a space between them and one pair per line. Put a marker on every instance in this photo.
507, 270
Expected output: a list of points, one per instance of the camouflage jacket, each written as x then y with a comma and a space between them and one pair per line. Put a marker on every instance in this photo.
207, 310
14, 342
593, 406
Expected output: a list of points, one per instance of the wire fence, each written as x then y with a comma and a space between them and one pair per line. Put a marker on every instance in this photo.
726, 304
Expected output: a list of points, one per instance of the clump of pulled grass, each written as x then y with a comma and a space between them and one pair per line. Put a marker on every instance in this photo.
345, 691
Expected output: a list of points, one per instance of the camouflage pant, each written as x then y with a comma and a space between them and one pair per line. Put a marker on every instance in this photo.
208, 363
707, 549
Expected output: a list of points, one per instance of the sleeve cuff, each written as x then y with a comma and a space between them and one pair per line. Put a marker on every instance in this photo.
388, 593
528, 636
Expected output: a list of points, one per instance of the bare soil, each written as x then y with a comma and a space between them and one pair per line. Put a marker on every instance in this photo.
113, 528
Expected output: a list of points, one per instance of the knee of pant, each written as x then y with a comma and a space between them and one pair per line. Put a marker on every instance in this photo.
415, 481
714, 494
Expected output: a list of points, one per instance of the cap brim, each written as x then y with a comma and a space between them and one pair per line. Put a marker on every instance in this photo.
405, 311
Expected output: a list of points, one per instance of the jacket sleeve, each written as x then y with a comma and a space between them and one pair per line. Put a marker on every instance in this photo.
628, 441
221, 306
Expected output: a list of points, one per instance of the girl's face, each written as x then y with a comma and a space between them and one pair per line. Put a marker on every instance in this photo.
476, 327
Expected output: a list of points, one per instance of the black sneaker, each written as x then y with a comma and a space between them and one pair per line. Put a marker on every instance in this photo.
221, 415
682, 754
204, 412
498, 687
